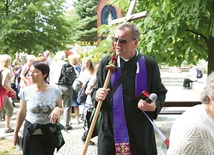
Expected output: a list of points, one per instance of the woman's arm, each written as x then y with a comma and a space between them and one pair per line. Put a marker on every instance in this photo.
57, 112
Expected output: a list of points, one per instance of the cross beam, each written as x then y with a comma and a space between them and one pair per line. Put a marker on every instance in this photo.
130, 16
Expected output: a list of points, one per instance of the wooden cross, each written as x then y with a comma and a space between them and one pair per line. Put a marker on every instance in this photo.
130, 16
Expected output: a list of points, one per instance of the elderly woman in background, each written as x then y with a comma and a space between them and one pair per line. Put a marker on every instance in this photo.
41, 108
193, 132
5, 90
24, 75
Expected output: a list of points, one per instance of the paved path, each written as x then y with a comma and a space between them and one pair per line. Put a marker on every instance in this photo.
181, 94
74, 145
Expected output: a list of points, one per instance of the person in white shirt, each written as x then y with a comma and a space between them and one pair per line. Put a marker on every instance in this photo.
47, 56
191, 77
55, 72
55, 67
24, 75
74, 60
40, 110
5, 90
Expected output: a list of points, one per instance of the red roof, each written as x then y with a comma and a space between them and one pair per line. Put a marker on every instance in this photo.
68, 52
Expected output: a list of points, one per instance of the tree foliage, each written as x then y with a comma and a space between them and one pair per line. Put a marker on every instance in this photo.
175, 30
86, 25
178, 30
32, 26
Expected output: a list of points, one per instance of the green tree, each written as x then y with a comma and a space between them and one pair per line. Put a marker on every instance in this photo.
86, 25
33, 26
179, 30
72, 18
175, 30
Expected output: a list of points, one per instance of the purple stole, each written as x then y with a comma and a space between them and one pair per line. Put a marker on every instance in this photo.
121, 136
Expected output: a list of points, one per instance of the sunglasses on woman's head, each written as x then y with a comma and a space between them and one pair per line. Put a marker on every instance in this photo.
122, 41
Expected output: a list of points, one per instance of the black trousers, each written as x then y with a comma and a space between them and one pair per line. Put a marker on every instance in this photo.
187, 82
87, 121
38, 146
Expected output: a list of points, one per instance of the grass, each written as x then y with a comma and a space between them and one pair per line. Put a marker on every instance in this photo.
7, 147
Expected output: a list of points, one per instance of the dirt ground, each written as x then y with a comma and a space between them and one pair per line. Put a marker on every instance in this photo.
7, 147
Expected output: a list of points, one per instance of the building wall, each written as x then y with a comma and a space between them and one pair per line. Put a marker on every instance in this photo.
100, 6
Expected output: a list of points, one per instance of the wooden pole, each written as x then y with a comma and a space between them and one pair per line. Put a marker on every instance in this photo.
94, 120
131, 7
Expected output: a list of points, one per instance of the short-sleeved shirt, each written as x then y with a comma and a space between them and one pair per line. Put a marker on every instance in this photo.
39, 105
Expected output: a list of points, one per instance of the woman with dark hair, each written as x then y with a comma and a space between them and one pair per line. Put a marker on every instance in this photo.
41, 108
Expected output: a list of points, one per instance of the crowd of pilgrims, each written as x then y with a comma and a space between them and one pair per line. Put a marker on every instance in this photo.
19, 78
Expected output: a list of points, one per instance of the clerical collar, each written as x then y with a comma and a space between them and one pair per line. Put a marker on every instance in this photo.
126, 60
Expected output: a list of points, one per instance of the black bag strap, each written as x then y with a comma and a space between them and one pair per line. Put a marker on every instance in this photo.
132, 65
